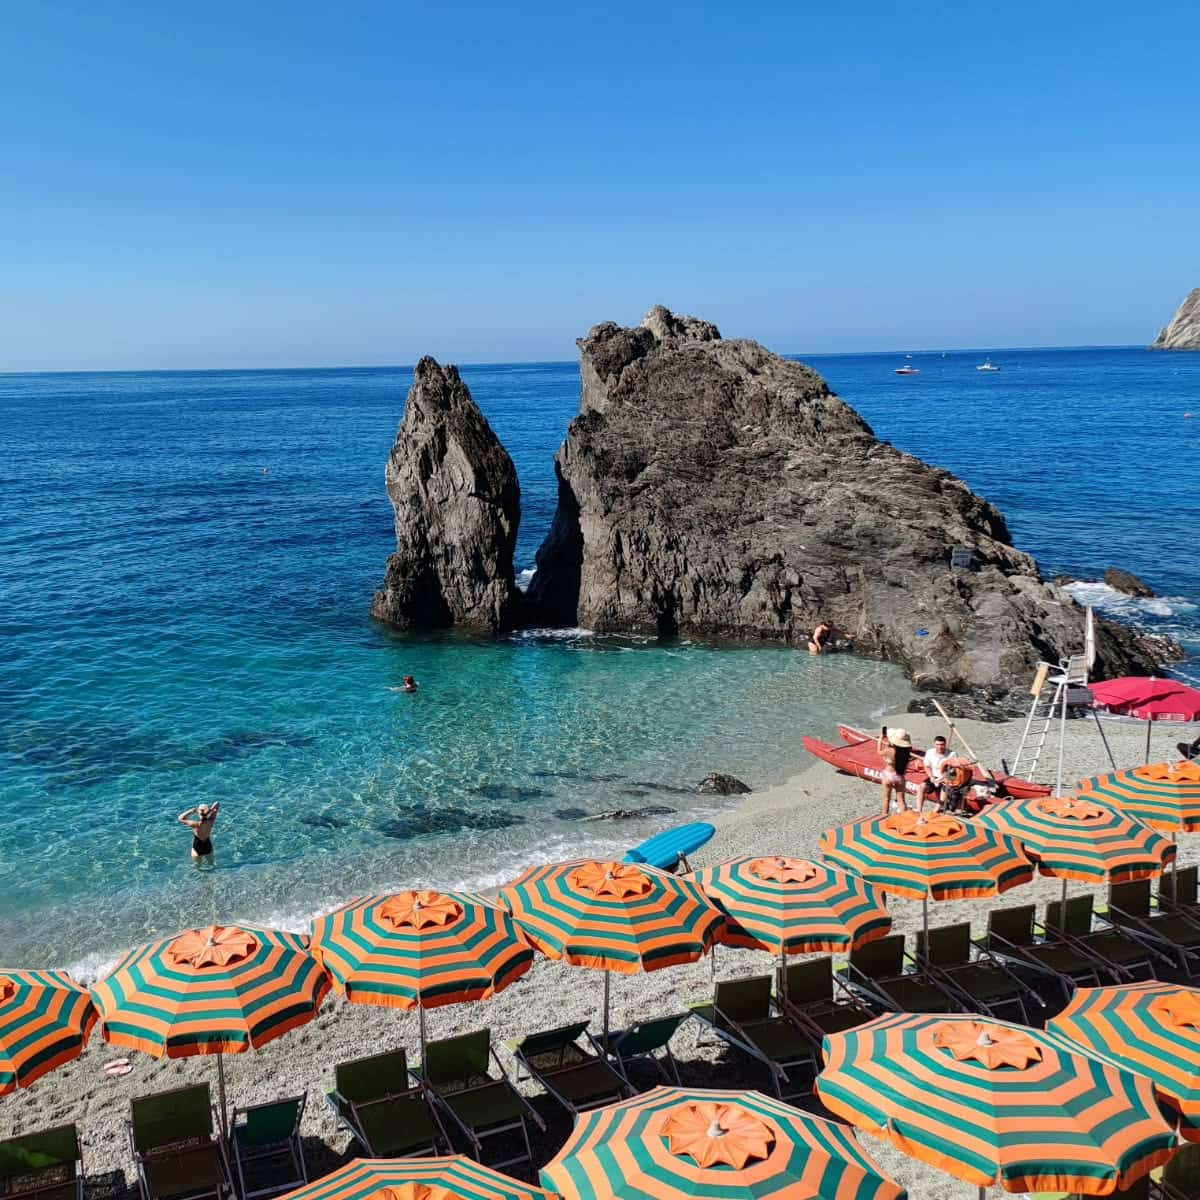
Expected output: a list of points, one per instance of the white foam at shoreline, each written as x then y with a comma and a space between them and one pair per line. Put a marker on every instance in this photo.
1111, 602
524, 578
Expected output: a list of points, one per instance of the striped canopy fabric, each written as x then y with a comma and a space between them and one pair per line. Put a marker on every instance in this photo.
992, 1102
1079, 839
1164, 795
218, 990
427, 948
791, 906
680, 1144
452, 1177
616, 916
934, 856
46, 1019
1151, 1028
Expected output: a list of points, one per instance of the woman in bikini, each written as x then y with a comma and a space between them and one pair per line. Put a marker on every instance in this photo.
202, 827
895, 748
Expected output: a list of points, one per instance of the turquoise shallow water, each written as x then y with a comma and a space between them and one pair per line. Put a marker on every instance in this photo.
179, 626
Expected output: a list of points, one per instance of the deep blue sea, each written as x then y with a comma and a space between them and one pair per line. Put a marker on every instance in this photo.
188, 560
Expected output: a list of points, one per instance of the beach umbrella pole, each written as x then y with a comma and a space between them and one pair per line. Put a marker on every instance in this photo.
1062, 741
221, 1094
605, 1043
1112, 762
1148, 741
421, 1025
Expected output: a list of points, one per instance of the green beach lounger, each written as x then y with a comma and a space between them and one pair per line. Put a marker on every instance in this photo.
877, 971
575, 1075
742, 1015
1012, 936
177, 1152
981, 981
1125, 955
47, 1165
1174, 934
389, 1118
457, 1073
644, 1041
813, 995
266, 1146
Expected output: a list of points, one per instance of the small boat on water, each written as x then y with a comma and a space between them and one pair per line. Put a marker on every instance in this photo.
860, 756
987, 365
908, 370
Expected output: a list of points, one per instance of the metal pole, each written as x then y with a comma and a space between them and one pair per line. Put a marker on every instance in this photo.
221, 1093
1064, 902
1062, 740
605, 1042
1147, 741
1112, 762
421, 1022
925, 911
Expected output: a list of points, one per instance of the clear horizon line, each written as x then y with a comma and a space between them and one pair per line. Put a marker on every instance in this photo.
555, 362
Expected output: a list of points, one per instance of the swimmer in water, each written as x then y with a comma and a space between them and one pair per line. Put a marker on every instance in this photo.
202, 828
410, 685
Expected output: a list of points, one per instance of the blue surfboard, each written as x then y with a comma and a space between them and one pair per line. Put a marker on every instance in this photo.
664, 850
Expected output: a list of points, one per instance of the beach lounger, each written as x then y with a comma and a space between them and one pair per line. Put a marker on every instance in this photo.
981, 981
1012, 935
266, 1146
389, 1117
1177, 893
1126, 957
47, 1165
741, 1014
177, 1151
575, 1075
669, 849
1174, 934
1180, 1178
877, 971
457, 1073
815, 996
645, 1040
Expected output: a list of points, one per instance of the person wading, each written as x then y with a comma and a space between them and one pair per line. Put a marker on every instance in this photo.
201, 827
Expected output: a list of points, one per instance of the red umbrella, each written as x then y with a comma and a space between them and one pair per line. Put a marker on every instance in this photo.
1148, 698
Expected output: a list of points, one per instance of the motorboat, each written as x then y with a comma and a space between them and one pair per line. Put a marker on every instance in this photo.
908, 370
987, 365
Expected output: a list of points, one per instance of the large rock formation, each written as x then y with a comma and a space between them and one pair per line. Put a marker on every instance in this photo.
1183, 333
711, 488
457, 502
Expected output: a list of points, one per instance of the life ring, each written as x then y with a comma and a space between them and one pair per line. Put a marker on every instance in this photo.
957, 775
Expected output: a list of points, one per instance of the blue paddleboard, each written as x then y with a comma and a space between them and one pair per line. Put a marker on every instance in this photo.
663, 849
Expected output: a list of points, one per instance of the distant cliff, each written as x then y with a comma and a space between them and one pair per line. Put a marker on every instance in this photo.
1183, 333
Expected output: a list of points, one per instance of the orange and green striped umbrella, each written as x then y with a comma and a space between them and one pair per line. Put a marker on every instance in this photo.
1150, 1028
1078, 839
701, 1144
924, 856
46, 1019
620, 917
1164, 795
791, 906
427, 948
218, 990
450, 1177
993, 1102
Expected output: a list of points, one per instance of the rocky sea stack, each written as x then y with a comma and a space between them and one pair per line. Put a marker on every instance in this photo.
713, 489
454, 490
1183, 333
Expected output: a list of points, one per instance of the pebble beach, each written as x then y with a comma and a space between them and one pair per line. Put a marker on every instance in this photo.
786, 819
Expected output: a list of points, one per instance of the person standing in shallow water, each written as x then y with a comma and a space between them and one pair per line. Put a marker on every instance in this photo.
201, 827
895, 748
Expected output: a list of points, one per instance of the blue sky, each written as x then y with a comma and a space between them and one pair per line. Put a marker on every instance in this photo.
316, 184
